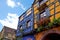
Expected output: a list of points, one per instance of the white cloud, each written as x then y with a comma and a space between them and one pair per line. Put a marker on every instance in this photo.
11, 21
13, 4
21, 5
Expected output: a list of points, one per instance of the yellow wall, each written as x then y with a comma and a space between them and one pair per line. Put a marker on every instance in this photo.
51, 8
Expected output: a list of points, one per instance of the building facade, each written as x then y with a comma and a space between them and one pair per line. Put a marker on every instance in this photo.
8, 33
40, 21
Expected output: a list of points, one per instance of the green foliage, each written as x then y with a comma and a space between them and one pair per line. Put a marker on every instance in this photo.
50, 25
55, 21
58, 21
40, 29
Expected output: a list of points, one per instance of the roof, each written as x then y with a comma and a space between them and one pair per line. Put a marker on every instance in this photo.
7, 29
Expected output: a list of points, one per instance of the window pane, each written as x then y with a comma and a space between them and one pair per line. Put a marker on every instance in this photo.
57, 3
28, 23
35, 8
57, 15
20, 27
36, 11
35, 26
47, 3
43, 2
58, 9
29, 11
36, 5
52, 12
51, 1
43, 14
21, 18
52, 6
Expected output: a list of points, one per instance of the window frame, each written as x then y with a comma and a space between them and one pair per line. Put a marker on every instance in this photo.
28, 23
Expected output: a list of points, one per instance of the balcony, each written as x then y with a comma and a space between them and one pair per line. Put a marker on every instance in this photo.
42, 7
44, 21
42, 2
45, 24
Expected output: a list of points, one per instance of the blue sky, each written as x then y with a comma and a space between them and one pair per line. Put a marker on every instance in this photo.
10, 10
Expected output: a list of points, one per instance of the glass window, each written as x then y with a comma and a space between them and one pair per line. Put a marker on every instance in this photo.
28, 23
57, 15
43, 14
6, 35
47, 3
51, 1
36, 11
21, 18
59, 0
36, 5
43, 2
51, 7
52, 12
29, 11
21, 27
35, 26
57, 3
58, 9
36, 0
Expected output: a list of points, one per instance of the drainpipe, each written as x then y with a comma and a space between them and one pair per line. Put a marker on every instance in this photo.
54, 9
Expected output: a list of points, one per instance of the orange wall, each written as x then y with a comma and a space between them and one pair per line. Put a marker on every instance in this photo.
51, 8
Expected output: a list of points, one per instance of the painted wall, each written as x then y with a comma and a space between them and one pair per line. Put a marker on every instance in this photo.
29, 37
24, 24
54, 8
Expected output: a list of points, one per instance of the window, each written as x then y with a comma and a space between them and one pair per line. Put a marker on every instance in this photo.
43, 1
52, 12
59, 0
21, 18
28, 23
6, 34
36, 0
43, 14
36, 5
29, 11
21, 27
